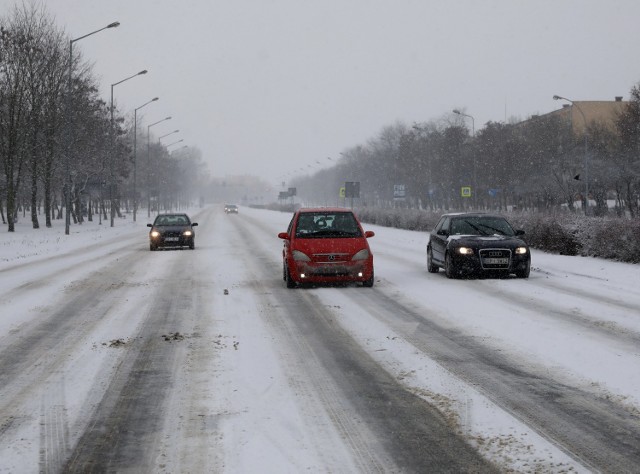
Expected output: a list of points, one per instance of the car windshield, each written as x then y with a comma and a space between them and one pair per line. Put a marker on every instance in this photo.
171, 220
327, 225
480, 225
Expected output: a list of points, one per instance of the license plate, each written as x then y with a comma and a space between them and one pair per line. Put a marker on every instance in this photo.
496, 261
172, 239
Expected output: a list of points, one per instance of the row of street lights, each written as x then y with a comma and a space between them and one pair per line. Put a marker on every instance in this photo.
70, 133
149, 162
135, 159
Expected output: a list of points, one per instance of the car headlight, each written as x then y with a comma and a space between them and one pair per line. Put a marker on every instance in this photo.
187, 233
465, 251
361, 255
521, 250
299, 256
155, 233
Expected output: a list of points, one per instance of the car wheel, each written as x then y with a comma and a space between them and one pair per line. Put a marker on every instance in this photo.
368, 283
192, 245
449, 267
431, 267
287, 278
152, 247
524, 272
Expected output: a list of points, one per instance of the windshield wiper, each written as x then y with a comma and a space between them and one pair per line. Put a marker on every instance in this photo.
498, 231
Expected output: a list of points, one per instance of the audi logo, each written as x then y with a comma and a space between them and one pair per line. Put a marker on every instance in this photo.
495, 253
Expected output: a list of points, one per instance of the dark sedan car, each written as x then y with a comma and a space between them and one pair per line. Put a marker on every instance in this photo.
475, 243
172, 230
230, 209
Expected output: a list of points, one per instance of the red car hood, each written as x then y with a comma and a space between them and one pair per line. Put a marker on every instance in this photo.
330, 245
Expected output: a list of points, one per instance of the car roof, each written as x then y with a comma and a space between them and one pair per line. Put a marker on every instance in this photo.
472, 214
324, 209
173, 214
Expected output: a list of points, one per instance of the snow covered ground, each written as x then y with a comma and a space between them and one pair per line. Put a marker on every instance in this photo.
575, 320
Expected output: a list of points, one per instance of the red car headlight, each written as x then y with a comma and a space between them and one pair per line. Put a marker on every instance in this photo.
362, 255
300, 256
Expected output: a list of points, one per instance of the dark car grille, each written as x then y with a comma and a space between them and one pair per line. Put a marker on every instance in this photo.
330, 257
495, 259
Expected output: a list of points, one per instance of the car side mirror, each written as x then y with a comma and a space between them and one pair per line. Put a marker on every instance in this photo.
369, 233
149, 225
193, 224
519, 232
283, 235
442, 232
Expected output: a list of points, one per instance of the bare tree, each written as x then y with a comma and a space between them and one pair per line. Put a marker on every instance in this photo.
627, 160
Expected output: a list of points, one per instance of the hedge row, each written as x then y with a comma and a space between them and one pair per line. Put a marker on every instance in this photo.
566, 234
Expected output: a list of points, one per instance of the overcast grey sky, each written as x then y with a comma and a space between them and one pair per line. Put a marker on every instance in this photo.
267, 86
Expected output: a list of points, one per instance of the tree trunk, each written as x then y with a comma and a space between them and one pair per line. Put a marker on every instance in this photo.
34, 191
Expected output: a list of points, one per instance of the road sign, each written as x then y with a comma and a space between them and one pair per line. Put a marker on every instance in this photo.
465, 191
343, 192
352, 189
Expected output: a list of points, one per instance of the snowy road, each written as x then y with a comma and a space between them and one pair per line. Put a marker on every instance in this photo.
114, 358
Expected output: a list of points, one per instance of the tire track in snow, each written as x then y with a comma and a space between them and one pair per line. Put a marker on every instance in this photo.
596, 430
407, 431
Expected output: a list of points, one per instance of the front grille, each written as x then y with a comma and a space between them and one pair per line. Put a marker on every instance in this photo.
330, 257
495, 259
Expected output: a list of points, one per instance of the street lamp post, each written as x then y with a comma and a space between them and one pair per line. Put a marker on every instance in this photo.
167, 134
158, 175
174, 143
149, 164
475, 174
181, 148
113, 148
135, 162
67, 164
473, 122
586, 153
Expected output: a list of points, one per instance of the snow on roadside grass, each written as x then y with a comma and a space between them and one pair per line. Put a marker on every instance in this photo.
26, 242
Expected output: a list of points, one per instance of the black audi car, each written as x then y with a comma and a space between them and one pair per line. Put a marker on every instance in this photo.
172, 230
476, 244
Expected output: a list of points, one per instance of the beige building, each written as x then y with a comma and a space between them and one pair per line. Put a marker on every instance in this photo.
600, 111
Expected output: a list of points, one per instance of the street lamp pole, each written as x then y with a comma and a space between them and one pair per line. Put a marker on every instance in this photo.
473, 122
174, 143
475, 174
67, 164
149, 165
135, 161
158, 175
113, 147
586, 153
167, 134
177, 149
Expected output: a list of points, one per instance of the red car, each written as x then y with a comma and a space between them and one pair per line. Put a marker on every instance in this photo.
326, 245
